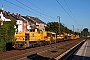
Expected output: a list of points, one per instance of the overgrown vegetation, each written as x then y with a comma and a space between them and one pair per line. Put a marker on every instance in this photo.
7, 32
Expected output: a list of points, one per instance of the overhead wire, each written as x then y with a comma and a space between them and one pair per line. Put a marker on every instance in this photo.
70, 11
63, 8
32, 9
39, 9
25, 9
66, 11
68, 8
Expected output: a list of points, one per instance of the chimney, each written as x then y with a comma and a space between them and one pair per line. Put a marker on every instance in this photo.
36, 18
8, 13
13, 14
17, 15
5, 13
27, 17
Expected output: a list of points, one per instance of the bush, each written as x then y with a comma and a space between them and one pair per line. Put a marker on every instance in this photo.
7, 32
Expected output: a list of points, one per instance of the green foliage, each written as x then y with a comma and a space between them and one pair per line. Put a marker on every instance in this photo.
7, 32
54, 27
85, 29
2, 45
85, 32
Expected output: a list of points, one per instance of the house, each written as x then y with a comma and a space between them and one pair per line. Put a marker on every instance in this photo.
23, 23
1, 15
21, 26
35, 22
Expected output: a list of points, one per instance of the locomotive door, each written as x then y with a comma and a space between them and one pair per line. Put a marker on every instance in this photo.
27, 39
26, 36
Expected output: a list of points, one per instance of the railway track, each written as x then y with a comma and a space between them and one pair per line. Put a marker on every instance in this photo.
72, 51
41, 53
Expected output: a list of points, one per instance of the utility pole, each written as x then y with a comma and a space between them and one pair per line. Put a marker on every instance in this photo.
59, 23
73, 28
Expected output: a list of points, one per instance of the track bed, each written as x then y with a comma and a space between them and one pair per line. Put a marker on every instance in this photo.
41, 53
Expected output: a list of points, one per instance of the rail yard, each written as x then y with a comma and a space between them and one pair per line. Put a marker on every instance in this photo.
52, 51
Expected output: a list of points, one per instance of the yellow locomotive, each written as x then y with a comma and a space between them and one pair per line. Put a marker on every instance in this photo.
30, 39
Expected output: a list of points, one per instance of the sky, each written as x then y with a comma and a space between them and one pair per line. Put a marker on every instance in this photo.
71, 12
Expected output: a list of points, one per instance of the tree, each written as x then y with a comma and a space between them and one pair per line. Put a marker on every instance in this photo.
85, 32
85, 29
54, 27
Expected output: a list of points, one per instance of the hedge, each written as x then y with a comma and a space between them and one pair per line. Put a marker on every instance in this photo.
7, 32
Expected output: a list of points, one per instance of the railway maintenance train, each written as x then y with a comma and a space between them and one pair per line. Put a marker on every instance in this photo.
34, 37
65, 36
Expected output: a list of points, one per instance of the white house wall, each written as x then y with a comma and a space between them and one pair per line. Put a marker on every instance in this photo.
3, 18
19, 22
19, 28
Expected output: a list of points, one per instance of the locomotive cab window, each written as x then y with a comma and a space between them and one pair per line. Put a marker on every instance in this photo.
53, 35
48, 34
